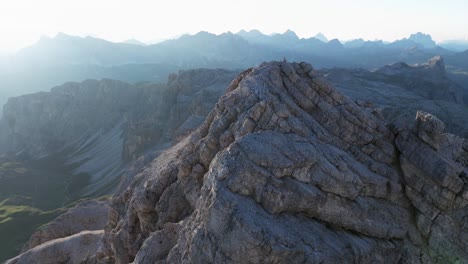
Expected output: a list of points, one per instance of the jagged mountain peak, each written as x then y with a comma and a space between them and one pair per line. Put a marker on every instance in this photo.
423, 39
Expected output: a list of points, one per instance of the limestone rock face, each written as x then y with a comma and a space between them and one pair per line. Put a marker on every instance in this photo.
286, 169
89, 215
76, 249
434, 167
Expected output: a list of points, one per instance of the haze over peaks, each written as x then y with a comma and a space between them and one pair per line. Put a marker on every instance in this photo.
255, 35
23, 21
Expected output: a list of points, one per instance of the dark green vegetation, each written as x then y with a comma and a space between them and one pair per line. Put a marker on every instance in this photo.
18, 220
31, 195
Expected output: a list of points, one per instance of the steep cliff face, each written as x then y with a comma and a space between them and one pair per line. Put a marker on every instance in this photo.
97, 127
82, 139
44, 123
287, 169
161, 116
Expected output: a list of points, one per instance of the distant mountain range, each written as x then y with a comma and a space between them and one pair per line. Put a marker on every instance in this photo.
134, 42
227, 50
455, 45
53, 61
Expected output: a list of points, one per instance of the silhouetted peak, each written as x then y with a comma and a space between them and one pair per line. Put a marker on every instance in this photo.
62, 35
290, 34
203, 34
253, 32
424, 39
321, 37
335, 43
134, 42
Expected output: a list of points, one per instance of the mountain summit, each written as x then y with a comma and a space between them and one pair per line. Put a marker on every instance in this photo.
284, 169
321, 37
424, 39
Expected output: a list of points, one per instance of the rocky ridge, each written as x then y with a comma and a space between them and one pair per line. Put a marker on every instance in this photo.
286, 168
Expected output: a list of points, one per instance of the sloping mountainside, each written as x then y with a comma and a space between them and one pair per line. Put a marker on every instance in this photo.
459, 59
458, 69
286, 169
95, 126
32, 79
80, 139
400, 90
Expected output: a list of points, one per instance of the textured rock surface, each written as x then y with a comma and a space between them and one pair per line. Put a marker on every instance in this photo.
287, 169
78, 248
76, 114
435, 171
88, 215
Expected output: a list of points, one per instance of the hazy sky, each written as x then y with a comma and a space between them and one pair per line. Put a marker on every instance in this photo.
22, 22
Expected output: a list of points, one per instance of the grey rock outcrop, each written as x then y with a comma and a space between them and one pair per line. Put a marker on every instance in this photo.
88, 215
287, 169
76, 249
435, 172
